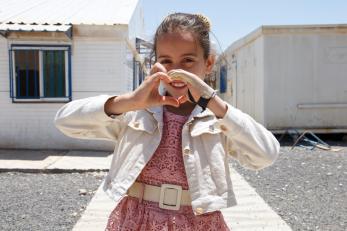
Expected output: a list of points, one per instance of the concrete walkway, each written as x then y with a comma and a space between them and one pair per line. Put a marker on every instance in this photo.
251, 214
27, 160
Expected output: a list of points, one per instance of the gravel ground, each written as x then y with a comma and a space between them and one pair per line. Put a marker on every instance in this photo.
41, 201
307, 188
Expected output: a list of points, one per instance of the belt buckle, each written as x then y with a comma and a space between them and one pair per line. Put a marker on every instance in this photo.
167, 191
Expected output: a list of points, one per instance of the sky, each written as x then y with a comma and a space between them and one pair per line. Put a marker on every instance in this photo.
231, 20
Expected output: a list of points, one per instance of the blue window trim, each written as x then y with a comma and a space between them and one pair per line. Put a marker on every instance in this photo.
36, 100
223, 79
10, 73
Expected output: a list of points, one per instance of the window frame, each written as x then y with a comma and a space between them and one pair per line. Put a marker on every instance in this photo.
41, 98
223, 79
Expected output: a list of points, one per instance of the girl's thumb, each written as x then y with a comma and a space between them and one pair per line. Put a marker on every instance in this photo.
168, 100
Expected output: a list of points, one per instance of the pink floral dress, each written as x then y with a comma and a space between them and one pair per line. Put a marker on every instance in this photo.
165, 166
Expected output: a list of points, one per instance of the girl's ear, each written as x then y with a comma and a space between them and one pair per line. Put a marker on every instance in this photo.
210, 63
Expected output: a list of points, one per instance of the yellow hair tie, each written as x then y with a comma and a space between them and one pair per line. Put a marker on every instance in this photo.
204, 20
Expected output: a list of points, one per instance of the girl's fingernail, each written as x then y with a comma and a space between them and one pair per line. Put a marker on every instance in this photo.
177, 103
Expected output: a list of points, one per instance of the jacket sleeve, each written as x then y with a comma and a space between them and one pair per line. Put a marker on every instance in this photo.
247, 140
86, 119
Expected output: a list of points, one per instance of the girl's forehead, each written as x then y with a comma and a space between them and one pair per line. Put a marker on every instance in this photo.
177, 42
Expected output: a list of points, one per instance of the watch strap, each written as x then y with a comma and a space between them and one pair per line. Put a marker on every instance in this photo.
202, 102
191, 98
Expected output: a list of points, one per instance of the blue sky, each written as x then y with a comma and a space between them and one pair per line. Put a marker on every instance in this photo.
232, 20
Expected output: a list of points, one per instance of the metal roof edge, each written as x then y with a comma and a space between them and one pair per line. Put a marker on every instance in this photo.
131, 15
281, 29
136, 5
101, 24
250, 37
307, 28
73, 17
67, 24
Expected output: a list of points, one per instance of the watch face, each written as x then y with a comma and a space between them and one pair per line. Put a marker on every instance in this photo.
206, 96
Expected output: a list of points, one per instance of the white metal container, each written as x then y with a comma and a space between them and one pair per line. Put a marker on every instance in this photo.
290, 77
101, 63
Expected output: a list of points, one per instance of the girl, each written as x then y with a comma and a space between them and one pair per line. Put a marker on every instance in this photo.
170, 165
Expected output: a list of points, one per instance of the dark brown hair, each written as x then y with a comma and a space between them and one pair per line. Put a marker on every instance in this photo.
198, 24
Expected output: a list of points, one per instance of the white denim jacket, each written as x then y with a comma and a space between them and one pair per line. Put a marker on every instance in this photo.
207, 144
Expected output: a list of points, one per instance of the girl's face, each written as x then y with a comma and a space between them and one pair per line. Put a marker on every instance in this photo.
181, 50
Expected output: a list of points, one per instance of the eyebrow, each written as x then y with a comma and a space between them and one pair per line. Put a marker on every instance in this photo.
187, 54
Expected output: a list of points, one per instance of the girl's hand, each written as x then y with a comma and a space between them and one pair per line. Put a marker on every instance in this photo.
147, 94
197, 87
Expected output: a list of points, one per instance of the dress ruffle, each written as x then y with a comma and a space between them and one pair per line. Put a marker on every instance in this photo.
131, 215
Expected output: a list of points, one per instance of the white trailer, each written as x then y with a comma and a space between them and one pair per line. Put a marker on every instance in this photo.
52, 52
289, 77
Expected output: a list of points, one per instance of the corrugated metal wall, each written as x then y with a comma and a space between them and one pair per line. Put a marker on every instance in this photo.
306, 69
4, 67
245, 70
94, 61
292, 77
97, 68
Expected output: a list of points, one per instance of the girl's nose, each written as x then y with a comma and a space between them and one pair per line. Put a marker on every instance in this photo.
176, 66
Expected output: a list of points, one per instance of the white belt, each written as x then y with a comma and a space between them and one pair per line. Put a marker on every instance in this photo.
169, 196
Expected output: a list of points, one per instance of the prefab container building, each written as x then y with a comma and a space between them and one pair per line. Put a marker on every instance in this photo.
52, 52
289, 77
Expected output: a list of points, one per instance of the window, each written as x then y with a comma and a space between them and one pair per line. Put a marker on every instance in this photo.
223, 79
40, 73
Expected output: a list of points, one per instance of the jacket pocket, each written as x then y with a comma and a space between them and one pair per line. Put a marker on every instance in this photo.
144, 124
202, 127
